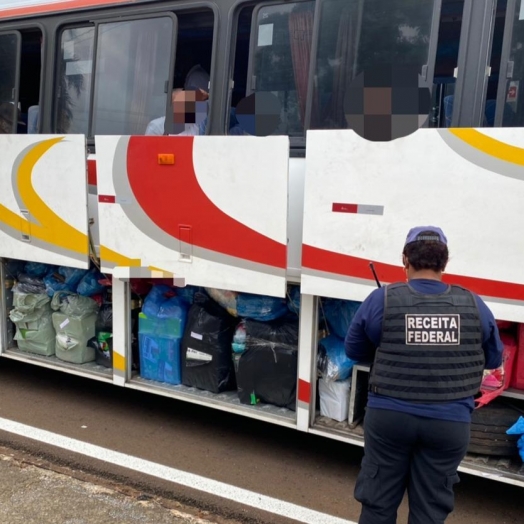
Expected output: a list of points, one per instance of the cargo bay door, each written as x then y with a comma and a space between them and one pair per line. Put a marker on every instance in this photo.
360, 206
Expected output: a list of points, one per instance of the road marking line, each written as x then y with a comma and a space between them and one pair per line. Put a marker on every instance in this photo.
190, 480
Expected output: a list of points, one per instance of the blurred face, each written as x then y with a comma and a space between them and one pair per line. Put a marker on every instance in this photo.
189, 107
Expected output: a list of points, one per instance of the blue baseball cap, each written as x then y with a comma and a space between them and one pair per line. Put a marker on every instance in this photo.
416, 234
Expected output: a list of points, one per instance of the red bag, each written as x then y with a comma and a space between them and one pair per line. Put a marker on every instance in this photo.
517, 380
504, 372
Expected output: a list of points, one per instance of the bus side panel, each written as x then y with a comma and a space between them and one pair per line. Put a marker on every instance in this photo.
43, 199
209, 210
362, 197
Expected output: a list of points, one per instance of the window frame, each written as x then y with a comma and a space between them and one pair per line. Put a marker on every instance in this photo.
18, 63
172, 58
295, 141
56, 82
136, 12
427, 72
505, 56
96, 23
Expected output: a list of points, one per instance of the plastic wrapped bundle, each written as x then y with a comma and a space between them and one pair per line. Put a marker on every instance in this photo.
37, 269
293, 299
267, 369
32, 316
155, 299
334, 399
187, 294
103, 340
267, 372
333, 362
239, 338
90, 284
30, 285
339, 314
227, 299
206, 347
280, 331
64, 279
260, 307
161, 326
74, 321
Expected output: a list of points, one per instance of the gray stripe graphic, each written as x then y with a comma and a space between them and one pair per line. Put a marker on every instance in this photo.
481, 159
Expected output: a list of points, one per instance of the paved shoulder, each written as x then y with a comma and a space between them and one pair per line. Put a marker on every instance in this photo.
32, 495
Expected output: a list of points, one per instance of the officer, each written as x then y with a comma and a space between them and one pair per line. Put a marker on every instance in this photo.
429, 343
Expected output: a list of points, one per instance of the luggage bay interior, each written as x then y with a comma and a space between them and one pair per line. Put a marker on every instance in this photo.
231, 351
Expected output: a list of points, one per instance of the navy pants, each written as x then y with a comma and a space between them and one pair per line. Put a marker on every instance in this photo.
405, 452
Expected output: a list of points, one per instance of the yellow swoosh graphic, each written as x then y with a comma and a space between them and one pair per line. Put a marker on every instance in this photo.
49, 227
490, 146
53, 229
109, 255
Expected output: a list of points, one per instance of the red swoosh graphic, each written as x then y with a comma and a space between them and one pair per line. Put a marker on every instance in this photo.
346, 265
172, 197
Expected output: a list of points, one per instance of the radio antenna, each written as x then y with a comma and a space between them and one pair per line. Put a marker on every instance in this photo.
372, 267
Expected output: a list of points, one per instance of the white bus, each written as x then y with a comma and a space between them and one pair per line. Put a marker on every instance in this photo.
298, 213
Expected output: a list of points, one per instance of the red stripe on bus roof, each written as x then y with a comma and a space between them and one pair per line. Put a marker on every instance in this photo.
58, 6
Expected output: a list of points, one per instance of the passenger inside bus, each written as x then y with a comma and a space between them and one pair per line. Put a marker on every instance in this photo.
185, 105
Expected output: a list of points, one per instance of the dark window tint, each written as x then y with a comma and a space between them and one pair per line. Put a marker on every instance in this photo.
358, 35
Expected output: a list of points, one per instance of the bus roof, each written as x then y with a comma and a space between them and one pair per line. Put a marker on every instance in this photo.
16, 8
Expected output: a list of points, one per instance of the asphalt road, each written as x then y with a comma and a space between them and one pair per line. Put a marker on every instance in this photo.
306, 470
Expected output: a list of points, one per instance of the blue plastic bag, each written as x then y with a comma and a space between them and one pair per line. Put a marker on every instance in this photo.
339, 314
260, 307
518, 429
187, 294
293, 299
64, 279
333, 362
162, 303
37, 269
89, 285
155, 299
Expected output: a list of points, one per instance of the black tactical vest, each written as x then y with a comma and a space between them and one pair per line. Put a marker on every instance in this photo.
431, 346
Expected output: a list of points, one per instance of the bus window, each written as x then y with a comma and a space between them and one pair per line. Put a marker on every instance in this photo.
9, 58
443, 91
131, 74
510, 96
75, 67
358, 35
280, 57
20, 71
239, 72
194, 51
30, 78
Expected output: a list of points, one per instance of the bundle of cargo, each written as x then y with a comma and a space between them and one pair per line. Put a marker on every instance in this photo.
267, 368
161, 326
248, 305
102, 342
32, 316
335, 370
206, 347
74, 321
